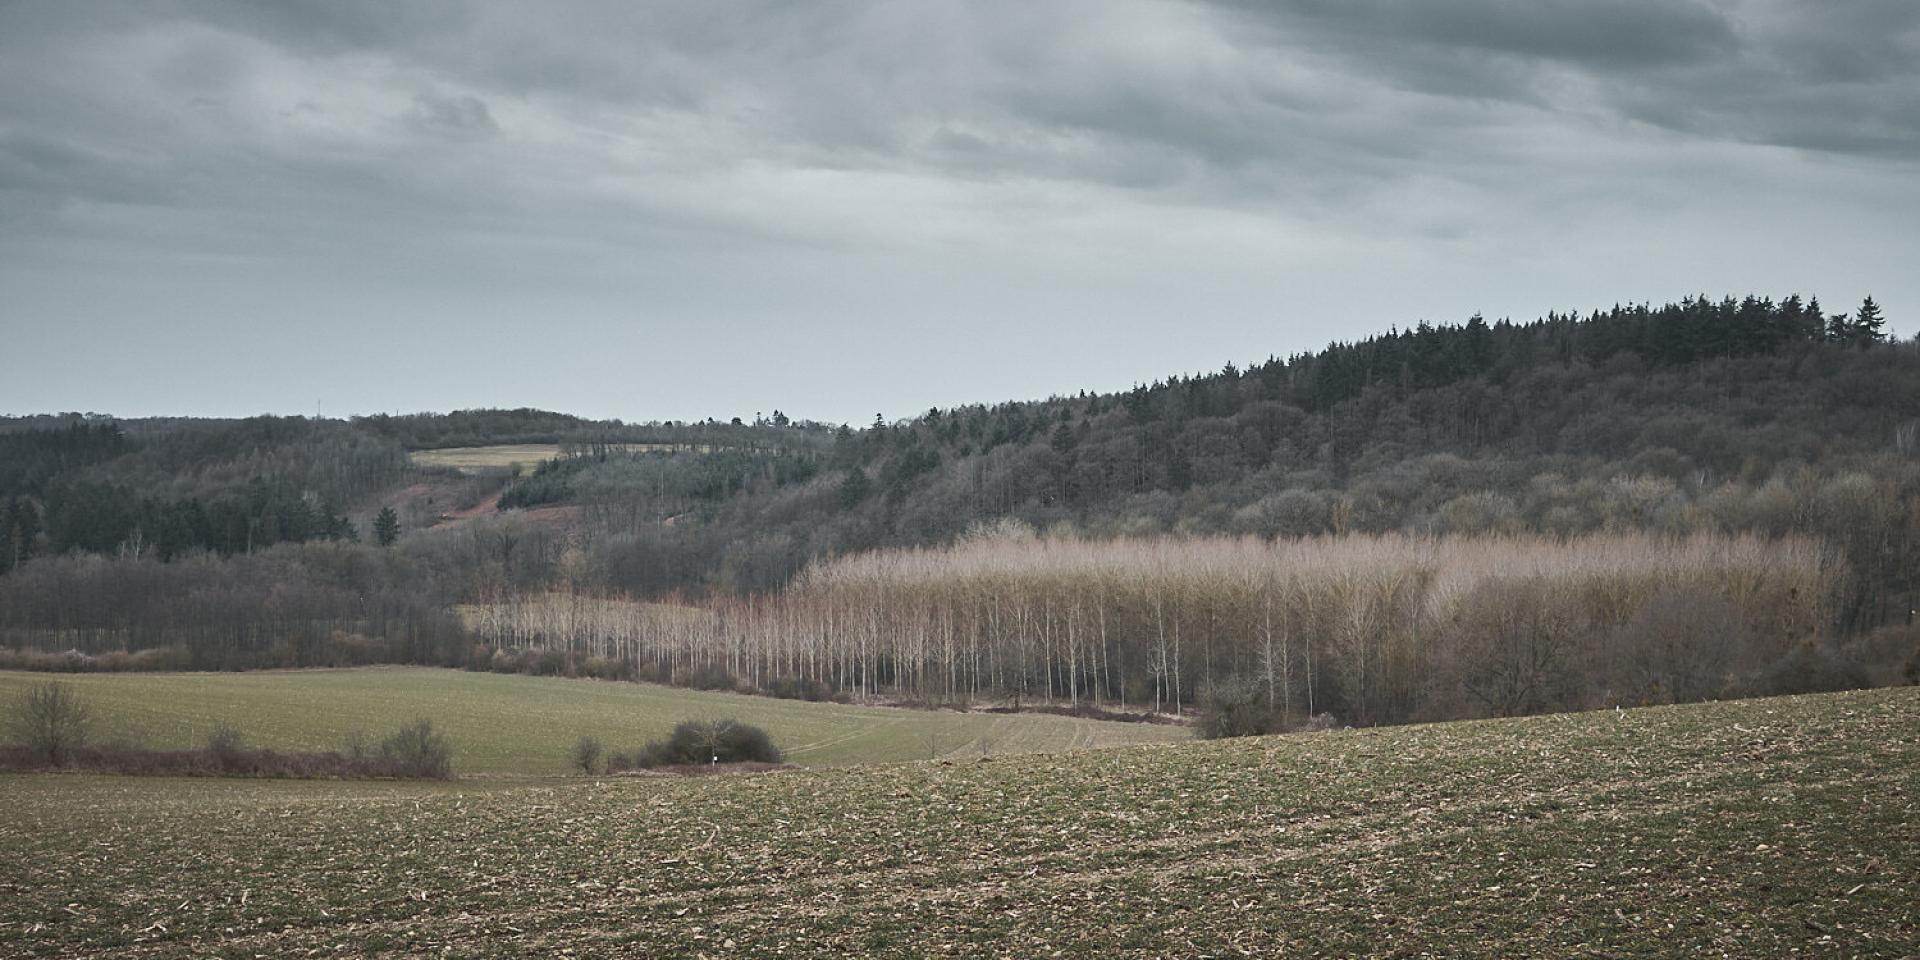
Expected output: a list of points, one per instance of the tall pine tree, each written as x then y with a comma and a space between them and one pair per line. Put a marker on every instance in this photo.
386, 527
1867, 324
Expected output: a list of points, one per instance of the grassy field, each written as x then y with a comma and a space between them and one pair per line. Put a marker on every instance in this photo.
506, 455
509, 724
503, 456
1761, 828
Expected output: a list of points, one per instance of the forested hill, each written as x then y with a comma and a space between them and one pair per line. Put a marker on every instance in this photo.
1754, 415
1742, 415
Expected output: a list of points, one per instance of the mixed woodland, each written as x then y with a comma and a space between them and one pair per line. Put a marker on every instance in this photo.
1642, 504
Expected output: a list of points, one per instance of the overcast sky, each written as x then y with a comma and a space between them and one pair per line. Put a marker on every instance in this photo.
655, 211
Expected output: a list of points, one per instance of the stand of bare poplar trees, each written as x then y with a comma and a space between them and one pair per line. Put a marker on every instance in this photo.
1373, 628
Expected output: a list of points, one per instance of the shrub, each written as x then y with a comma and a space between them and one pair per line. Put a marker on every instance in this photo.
204, 763
1889, 655
607, 668
52, 721
1810, 669
418, 750
227, 746
1235, 709
479, 658
113, 661
543, 662
800, 688
704, 742
586, 754
711, 678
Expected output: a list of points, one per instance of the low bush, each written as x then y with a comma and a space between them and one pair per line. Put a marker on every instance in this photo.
710, 678
1810, 669
115, 661
586, 754
227, 747
51, 722
418, 750
1889, 655
704, 743
799, 688
607, 668
1235, 709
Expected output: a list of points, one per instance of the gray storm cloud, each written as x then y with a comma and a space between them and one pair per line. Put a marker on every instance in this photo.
836, 208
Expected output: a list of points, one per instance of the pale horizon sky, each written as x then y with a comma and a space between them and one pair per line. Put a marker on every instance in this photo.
675, 211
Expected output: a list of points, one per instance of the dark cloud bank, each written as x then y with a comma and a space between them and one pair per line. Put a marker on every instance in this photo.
838, 208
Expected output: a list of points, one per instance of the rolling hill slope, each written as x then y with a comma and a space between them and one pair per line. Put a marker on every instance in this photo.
1752, 828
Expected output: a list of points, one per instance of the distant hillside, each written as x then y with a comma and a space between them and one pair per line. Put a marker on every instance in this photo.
1730, 417
1733, 416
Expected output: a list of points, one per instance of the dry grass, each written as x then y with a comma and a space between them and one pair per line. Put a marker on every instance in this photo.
523, 456
508, 456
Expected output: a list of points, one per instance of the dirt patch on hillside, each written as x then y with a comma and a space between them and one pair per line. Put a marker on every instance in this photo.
484, 507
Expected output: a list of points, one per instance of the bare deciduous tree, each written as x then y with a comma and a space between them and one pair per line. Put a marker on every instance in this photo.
53, 721
1377, 628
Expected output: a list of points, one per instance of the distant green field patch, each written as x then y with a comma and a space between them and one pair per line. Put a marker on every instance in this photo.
502, 457
509, 455
510, 724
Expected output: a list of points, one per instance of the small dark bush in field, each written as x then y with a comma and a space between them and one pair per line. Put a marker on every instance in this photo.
1810, 669
51, 721
608, 668
586, 754
798, 688
1235, 709
226, 746
418, 750
711, 678
702, 742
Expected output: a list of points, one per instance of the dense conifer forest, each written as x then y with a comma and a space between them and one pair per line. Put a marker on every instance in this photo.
229, 544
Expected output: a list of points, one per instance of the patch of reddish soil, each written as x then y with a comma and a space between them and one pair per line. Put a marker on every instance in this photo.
482, 508
562, 513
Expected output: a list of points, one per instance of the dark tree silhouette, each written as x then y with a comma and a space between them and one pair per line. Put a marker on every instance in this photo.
386, 527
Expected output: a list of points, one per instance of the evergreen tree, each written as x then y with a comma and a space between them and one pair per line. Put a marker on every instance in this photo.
1063, 439
22, 526
1840, 328
1815, 321
1477, 349
386, 527
854, 488
1790, 320
1867, 324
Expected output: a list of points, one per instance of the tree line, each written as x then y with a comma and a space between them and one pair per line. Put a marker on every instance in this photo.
1373, 628
226, 487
